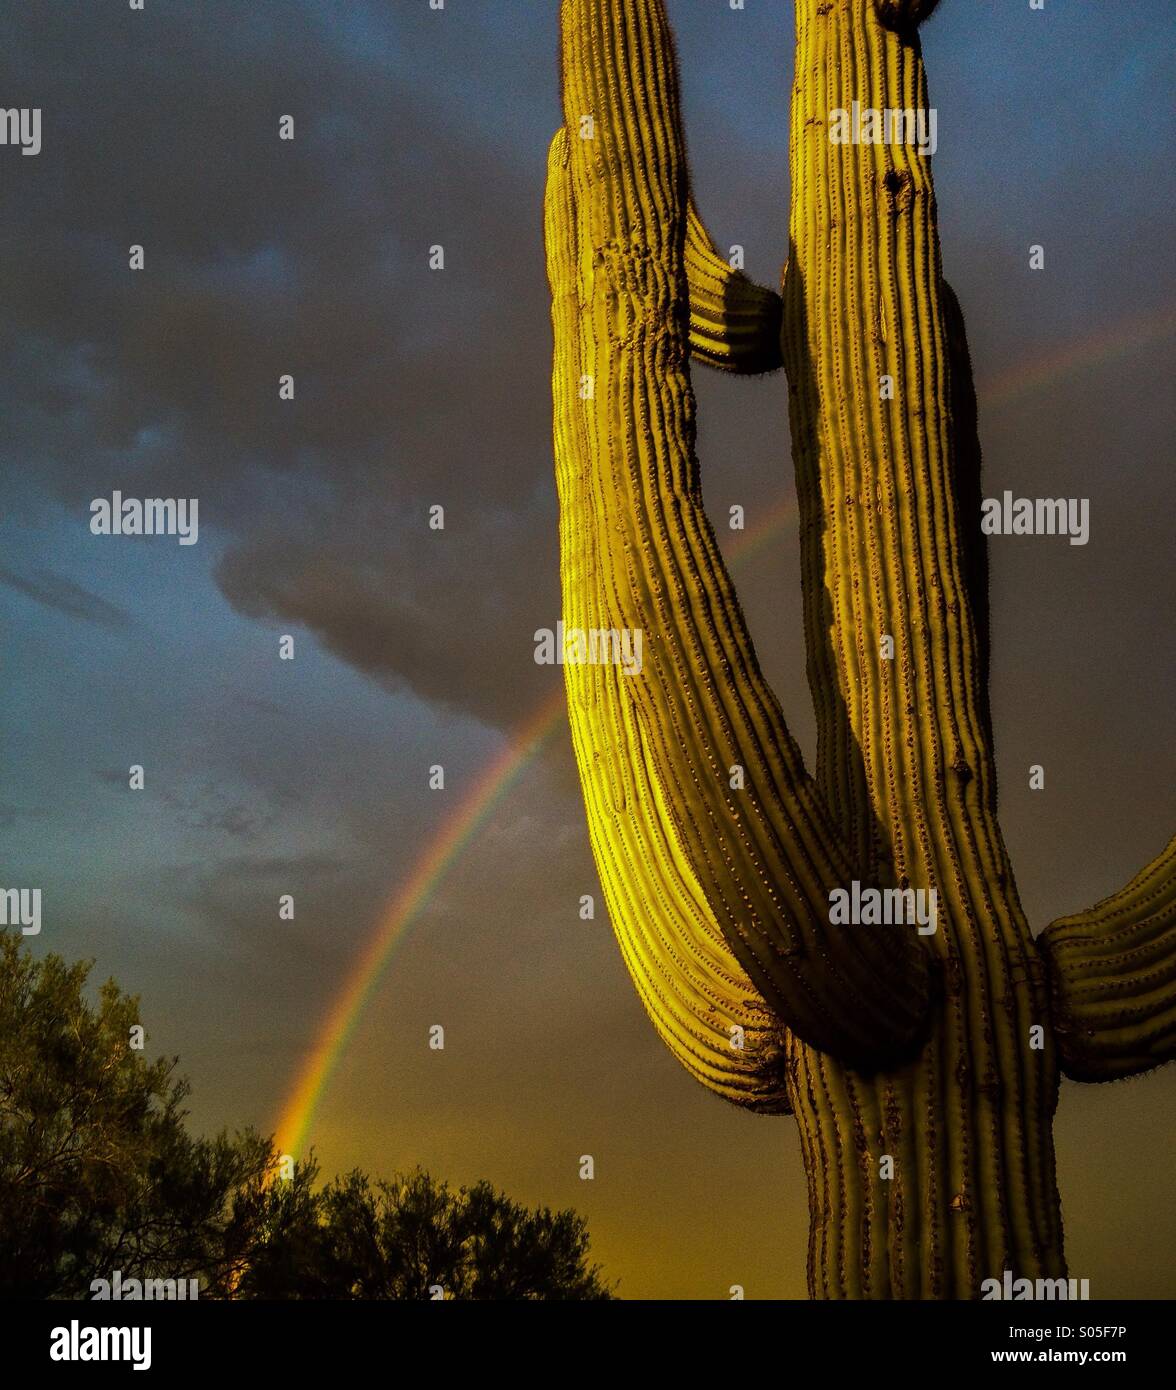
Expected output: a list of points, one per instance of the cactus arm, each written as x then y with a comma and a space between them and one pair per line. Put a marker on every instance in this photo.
701, 1002
734, 323
765, 856
1112, 973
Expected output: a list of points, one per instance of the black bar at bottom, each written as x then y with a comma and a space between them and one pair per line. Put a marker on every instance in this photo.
276, 1340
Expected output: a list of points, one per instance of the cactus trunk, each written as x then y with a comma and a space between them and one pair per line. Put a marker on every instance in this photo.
904, 758
922, 1071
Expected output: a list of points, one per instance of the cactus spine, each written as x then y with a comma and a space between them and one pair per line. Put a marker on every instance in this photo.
717, 850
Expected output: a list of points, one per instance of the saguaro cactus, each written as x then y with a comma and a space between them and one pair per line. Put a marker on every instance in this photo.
717, 850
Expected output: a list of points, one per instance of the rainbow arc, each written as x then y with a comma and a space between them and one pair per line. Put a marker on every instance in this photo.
319, 1064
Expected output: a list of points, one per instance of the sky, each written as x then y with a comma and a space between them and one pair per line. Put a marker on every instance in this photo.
414, 647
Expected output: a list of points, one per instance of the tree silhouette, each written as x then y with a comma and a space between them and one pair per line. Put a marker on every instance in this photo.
411, 1237
98, 1173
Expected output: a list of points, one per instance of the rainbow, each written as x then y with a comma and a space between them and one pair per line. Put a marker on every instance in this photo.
1125, 336
338, 1027
349, 1005
405, 908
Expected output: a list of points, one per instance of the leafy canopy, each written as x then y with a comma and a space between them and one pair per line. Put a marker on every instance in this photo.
98, 1172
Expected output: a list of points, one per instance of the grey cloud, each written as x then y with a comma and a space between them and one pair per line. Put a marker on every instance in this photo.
308, 257
456, 628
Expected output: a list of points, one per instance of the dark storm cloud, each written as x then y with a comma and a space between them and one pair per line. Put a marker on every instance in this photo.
309, 257
412, 387
58, 592
455, 612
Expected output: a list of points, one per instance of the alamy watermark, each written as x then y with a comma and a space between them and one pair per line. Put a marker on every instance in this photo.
903, 125
1007, 515
1045, 1289
21, 125
21, 907
78, 1343
118, 1289
883, 907
594, 646
148, 516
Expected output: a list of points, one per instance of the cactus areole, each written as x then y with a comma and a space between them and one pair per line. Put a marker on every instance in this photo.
921, 1066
